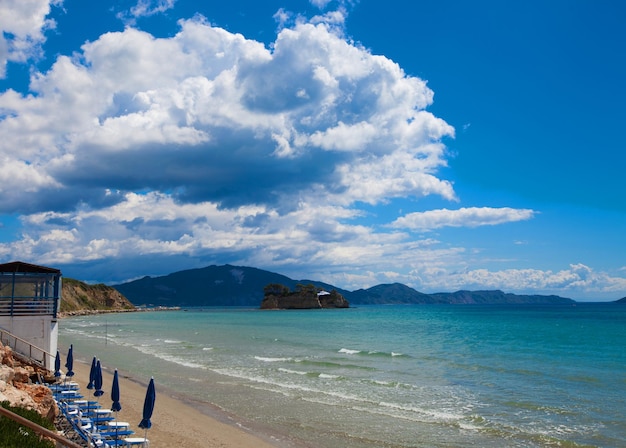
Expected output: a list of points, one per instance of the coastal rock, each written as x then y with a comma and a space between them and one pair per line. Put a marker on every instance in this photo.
6, 374
39, 399
21, 375
6, 356
278, 297
17, 389
18, 398
333, 300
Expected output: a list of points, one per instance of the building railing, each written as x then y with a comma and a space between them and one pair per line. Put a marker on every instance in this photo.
61, 441
25, 348
27, 307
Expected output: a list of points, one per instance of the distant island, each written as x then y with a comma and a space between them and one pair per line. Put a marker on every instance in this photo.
228, 285
280, 297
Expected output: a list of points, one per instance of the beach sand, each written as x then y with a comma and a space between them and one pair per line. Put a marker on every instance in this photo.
174, 422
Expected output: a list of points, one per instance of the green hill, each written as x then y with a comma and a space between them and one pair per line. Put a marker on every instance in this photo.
77, 296
210, 286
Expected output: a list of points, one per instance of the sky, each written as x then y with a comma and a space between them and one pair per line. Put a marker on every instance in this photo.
441, 144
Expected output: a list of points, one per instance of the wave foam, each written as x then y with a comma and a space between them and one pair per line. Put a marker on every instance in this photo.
266, 359
348, 351
170, 358
296, 372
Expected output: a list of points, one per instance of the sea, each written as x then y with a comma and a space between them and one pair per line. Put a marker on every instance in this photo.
383, 376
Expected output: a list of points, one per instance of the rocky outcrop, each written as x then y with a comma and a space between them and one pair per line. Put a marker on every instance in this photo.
333, 300
277, 298
81, 298
17, 386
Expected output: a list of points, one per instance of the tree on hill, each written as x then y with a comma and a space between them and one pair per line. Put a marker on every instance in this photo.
276, 289
309, 289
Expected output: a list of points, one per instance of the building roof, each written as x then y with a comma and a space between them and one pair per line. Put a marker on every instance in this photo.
20, 266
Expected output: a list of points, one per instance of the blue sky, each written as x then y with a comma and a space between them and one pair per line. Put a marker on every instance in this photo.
443, 144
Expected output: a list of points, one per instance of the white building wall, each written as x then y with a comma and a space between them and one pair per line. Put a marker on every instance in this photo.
41, 331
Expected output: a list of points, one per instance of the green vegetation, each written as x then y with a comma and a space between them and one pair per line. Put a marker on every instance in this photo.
276, 289
307, 289
77, 295
14, 435
281, 290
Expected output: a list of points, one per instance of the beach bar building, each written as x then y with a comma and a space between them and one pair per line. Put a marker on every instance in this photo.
30, 298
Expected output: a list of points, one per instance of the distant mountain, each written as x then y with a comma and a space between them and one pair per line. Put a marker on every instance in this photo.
244, 286
394, 293
497, 296
398, 293
210, 286
621, 301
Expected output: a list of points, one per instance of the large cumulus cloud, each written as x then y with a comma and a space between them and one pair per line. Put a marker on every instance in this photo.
208, 115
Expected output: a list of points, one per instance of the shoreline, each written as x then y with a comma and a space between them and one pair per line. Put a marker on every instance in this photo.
176, 420
89, 312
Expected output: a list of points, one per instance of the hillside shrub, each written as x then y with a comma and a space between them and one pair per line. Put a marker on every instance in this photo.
14, 435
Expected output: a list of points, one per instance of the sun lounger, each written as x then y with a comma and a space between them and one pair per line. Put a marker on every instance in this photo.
95, 425
136, 442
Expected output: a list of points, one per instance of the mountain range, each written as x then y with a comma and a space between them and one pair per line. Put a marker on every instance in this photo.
228, 285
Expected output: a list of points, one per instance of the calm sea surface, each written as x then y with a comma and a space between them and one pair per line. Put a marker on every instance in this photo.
385, 376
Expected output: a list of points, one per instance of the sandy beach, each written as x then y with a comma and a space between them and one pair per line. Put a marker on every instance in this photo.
174, 423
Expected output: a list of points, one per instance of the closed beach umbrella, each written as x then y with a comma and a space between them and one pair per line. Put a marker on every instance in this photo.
148, 406
57, 365
92, 373
97, 382
115, 394
70, 361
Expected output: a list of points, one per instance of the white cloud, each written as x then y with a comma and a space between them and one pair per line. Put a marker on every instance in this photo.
310, 241
154, 224
145, 8
375, 179
151, 7
23, 24
345, 138
282, 17
208, 113
579, 281
463, 217
320, 3
335, 19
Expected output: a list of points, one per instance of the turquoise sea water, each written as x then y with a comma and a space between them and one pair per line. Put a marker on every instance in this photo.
385, 376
